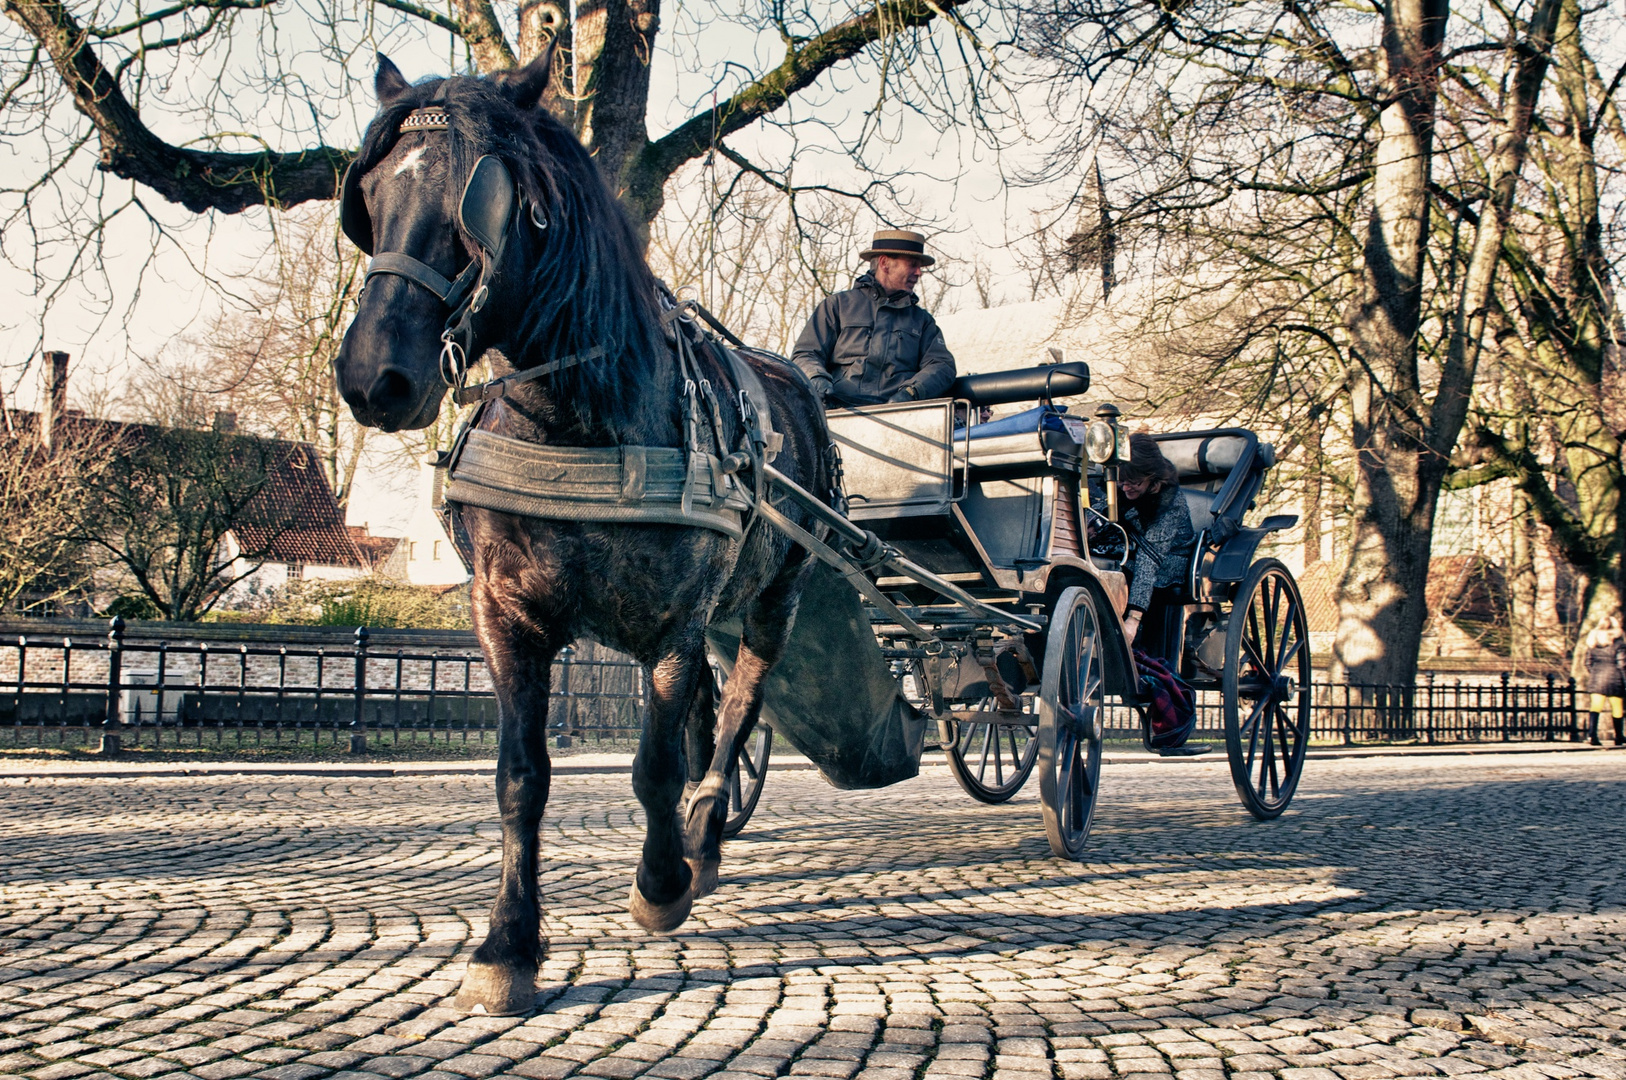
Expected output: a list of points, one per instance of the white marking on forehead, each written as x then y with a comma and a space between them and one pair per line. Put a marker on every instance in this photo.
412, 163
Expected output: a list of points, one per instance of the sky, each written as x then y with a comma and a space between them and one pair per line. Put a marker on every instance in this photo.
151, 299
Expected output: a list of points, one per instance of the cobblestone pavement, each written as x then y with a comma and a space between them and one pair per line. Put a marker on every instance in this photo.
1409, 917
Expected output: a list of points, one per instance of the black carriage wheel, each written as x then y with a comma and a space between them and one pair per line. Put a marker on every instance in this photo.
1267, 689
746, 778
993, 758
1070, 722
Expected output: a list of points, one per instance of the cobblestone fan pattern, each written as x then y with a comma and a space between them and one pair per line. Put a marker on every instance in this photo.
1416, 917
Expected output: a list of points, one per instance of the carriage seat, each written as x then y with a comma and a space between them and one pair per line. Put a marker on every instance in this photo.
1205, 460
1031, 442
1044, 383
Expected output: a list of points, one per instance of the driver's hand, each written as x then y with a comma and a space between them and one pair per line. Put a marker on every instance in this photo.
1132, 625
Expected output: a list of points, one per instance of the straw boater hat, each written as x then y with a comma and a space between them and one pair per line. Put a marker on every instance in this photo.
898, 242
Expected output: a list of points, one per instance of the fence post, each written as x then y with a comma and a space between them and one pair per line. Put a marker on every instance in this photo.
358, 737
1507, 711
115, 648
1575, 716
568, 718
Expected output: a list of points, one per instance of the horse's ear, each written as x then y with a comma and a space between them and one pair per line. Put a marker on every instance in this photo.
388, 82
526, 85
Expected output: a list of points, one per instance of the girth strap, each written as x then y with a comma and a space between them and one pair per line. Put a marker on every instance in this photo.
633, 484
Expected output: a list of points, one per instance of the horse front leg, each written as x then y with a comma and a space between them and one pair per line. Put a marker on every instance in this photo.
501, 976
766, 629
660, 890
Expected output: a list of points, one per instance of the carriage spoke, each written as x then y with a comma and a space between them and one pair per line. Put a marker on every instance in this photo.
1268, 598
1288, 652
1269, 766
1252, 729
1288, 734
1250, 645
745, 761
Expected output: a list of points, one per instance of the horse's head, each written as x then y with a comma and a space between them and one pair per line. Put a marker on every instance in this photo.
430, 198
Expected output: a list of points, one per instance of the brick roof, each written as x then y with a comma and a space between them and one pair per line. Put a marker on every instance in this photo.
1462, 586
294, 518
375, 550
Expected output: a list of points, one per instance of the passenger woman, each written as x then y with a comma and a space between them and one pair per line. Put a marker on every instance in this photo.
1153, 511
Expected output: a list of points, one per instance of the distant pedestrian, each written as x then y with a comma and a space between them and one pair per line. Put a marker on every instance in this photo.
1606, 677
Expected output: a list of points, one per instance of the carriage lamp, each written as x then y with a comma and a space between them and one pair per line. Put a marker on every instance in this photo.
1100, 442
1106, 444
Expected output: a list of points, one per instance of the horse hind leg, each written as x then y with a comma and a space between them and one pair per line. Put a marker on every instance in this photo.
766, 629
708, 808
661, 895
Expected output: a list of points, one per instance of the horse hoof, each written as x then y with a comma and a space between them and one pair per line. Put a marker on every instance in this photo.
705, 876
659, 918
497, 990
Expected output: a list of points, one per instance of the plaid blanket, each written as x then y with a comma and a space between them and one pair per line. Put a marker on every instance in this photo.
1171, 704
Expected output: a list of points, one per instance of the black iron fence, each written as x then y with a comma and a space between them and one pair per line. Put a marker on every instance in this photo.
225, 687
379, 690
1438, 709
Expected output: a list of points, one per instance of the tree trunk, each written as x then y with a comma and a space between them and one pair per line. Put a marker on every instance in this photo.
613, 42
1404, 445
1381, 601
1521, 582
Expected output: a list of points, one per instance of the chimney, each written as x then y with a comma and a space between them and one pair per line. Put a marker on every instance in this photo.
225, 422
56, 398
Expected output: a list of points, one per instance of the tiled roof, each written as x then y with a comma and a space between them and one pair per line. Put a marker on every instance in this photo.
1459, 585
375, 550
294, 518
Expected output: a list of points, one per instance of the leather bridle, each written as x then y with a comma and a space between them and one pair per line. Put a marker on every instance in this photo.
485, 213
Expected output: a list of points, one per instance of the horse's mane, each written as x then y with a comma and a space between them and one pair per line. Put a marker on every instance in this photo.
588, 284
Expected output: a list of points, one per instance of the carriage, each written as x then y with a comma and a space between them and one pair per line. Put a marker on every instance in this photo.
628, 479
995, 595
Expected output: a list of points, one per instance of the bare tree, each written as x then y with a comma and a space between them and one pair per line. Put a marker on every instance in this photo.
43, 496
1553, 418
271, 361
229, 106
759, 259
1293, 175
160, 519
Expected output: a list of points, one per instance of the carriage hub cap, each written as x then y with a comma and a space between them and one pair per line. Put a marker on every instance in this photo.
1285, 687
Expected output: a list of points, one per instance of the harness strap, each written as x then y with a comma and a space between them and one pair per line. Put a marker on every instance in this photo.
632, 484
451, 293
499, 387
832, 558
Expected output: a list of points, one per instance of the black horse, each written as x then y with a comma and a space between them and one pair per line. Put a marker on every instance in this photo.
556, 273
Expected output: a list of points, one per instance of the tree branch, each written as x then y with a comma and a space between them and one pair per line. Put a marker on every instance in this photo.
804, 62
197, 179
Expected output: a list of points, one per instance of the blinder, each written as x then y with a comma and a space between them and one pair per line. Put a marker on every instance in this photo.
488, 205
485, 214
353, 217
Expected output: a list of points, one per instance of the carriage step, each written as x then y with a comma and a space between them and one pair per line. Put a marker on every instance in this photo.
1190, 750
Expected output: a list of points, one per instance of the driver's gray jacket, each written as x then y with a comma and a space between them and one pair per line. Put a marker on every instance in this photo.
863, 347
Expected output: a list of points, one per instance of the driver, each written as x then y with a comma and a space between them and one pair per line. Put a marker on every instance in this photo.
1154, 513
874, 343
